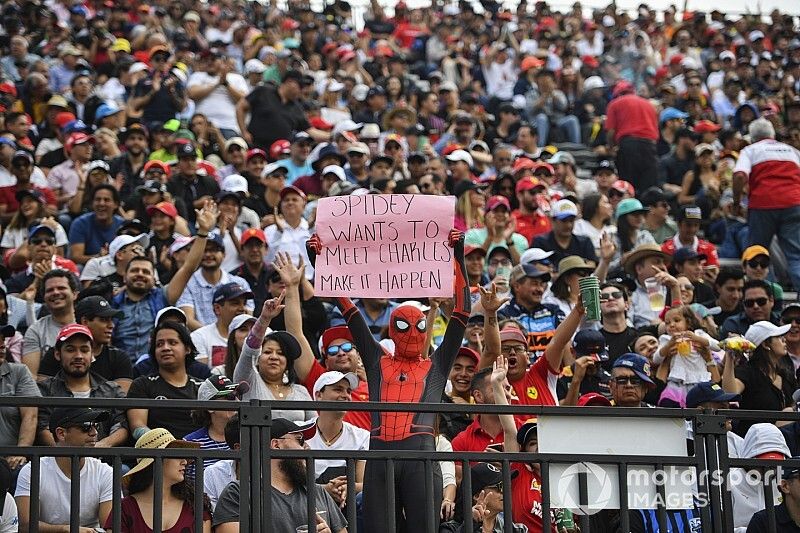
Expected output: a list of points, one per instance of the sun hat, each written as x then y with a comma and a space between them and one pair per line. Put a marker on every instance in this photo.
157, 439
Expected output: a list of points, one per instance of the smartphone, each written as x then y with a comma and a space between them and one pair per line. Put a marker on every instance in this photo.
497, 447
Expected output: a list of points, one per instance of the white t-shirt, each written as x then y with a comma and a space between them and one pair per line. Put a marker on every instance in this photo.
9, 522
98, 267
7, 179
353, 438
231, 260
54, 490
500, 79
13, 238
215, 478
210, 344
218, 106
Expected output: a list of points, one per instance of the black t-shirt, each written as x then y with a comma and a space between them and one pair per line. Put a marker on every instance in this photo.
53, 158
760, 393
598, 382
703, 294
271, 119
176, 421
673, 169
188, 190
578, 245
111, 364
723, 315
162, 106
618, 344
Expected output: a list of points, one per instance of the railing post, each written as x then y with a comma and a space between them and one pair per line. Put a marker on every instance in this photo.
254, 476
711, 450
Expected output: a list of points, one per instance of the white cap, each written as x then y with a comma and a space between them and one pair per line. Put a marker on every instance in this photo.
519, 101
332, 377
165, 310
360, 148
533, 254
461, 155
726, 54
335, 86
593, 82
370, 131
124, 240
360, 92
179, 244
334, 169
451, 10
763, 330
254, 66
235, 183
272, 167
346, 125
137, 67
755, 35
563, 209
94, 165
689, 63
238, 321
448, 86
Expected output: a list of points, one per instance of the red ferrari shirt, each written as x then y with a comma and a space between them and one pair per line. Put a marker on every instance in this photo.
475, 439
537, 387
526, 498
773, 171
632, 116
700, 246
361, 394
529, 226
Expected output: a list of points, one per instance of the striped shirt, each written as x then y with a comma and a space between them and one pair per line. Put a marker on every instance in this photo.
206, 443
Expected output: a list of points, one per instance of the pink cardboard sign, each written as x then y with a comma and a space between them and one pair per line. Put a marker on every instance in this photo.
385, 246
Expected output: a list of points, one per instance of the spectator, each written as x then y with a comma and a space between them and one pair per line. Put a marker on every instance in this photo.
586, 375
22, 168
630, 222
786, 512
710, 395
614, 306
729, 287
689, 264
111, 268
645, 262
758, 304
562, 240
674, 166
530, 221
657, 220
630, 380
160, 95
290, 231
90, 234
499, 229
755, 263
485, 433
130, 163
178, 494
211, 340
39, 256
193, 189
461, 375
18, 424
217, 476
70, 426
216, 91
63, 179
689, 220
595, 221
772, 172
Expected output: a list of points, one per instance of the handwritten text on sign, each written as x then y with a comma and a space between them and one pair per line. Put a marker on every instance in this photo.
385, 245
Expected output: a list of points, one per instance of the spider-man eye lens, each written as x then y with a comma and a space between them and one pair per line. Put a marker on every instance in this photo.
421, 325
401, 325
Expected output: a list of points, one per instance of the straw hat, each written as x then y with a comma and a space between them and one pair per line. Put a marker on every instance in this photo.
640, 252
569, 264
158, 438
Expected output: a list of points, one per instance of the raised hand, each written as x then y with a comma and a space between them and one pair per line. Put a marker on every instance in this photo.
607, 247
290, 274
454, 237
510, 228
315, 243
499, 370
489, 299
273, 307
207, 216
479, 510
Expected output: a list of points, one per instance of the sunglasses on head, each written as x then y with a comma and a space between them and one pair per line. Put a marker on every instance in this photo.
758, 263
688, 287
345, 347
760, 302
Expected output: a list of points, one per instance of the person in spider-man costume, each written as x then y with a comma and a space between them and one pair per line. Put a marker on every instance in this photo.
405, 376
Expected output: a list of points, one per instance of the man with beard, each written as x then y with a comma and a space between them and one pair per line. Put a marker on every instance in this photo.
530, 222
140, 300
129, 164
60, 289
289, 509
91, 233
254, 269
76, 379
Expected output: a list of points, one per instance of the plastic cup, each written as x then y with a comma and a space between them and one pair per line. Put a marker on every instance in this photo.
590, 296
684, 348
656, 297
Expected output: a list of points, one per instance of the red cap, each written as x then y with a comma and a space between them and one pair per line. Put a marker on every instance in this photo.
593, 398
590, 61
8, 88
468, 249
291, 189
530, 62
624, 187
289, 24
622, 87
771, 455
253, 233
676, 59
522, 163
513, 334
70, 331
156, 49
347, 56
165, 208
320, 123
466, 351
329, 47
160, 164
255, 152
279, 148
547, 166
497, 201
75, 139
336, 332
450, 148
208, 168
384, 51
706, 126
528, 183
64, 118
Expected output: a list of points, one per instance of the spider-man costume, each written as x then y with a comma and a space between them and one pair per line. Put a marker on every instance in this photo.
406, 377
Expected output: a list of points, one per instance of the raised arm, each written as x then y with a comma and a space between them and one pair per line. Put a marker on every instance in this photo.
454, 334
562, 336
292, 276
491, 329
251, 349
499, 384
206, 218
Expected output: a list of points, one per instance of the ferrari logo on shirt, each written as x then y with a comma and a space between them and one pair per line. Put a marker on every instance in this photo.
535, 485
532, 393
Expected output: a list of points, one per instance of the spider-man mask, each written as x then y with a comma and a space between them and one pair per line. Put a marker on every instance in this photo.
407, 330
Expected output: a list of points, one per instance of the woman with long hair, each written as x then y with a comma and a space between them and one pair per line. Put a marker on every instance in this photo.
91, 176
177, 500
31, 208
630, 220
505, 185
702, 182
596, 213
209, 138
564, 292
267, 364
469, 206
238, 330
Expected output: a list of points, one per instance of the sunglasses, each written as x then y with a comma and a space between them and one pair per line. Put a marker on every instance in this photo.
508, 350
791, 320
687, 287
758, 263
760, 302
345, 347
614, 295
614, 194
496, 487
628, 380
86, 427
38, 241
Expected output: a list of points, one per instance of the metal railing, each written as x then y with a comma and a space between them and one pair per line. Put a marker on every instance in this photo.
710, 454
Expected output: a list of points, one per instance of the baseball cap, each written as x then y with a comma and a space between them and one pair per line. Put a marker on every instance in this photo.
763, 330
359, 148
637, 363
593, 399
253, 233
466, 351
235, 183
22, 154
708, 392
122, 241
69, 331
229, 291
684, 254
255, 152
63, 417
59, 101
469, 249
754, 251
291, 189
689, 212
40, 227
562, 157
106, 110
238, 321
529, 183
236, 141
461, 155
513, 334
282, 427
706, 126
95, 165
653, 195
522, 163
624, 187
527, 270
171, 310
158, 165
187, 149
534, 255
221, 388
31, 193
280, 147
332, 377
497, 201
564, 209
278, 167
525, 431
484, 475
77, 138
605, 165
95, 306
165, 208
629, 206
671, 113
590, 342
702, 148
336, 170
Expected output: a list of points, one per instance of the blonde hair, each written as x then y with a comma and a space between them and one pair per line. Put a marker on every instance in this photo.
472, 217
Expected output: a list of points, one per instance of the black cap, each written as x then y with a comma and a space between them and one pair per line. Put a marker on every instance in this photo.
229, 291
689, 212
464, 186
31, 193
605, 164
152, 186
590, 342
686, 254
485, 475
22, 154
133, 224
417, 156
376, 91
93, 307
136, 127
8, 330
282, 427
652, 196
381, 159
708, 392
295, 75
63, 417
187, 150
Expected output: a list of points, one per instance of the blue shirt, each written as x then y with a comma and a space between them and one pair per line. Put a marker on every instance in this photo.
296, 171
94, 236
375, 326
132, 331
